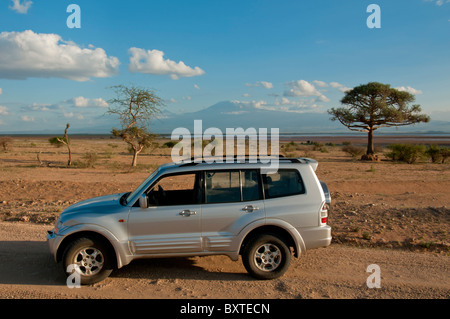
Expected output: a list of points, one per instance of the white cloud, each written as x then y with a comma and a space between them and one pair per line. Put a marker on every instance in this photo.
70, 115
39, 107
335, 85
21, 7
340, 87
321, 84
305, 89
440, 2
409, 90
298, 106
27, 118
344, 89
3, 110
153, 62
264, 84
196, 86
81, 101
40, 55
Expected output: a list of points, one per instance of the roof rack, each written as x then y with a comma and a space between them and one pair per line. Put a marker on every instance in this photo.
201, 160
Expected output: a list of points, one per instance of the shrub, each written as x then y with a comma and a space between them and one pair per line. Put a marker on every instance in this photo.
434, 153
289, 147
56, 141
5, 142
408, 153
354, 151
169, 144
317, 146
90, 159
366, 235
445, 153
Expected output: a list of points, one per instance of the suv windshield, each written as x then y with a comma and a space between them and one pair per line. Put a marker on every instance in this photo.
139, 189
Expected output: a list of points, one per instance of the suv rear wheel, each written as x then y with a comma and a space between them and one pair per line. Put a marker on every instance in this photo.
266, 257
90, 258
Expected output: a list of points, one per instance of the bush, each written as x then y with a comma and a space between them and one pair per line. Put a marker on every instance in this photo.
317, 146
434, 153
56, 141
408, 153
445, 153
169, 144
90, 159
289, 147
354, 151
5, 142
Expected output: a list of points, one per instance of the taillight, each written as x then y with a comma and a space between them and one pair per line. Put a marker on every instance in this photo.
324, 214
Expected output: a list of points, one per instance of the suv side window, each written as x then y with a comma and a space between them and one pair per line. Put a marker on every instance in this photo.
177, 189
232, 186
251, 185
285, 182
222, 186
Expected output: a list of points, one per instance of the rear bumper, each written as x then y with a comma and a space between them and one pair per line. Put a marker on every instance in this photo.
316, 237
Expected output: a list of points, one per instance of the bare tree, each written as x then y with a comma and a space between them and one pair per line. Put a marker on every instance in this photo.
136, 107
65, 140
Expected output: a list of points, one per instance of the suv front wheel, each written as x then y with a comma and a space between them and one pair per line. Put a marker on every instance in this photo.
266, 257
91, 259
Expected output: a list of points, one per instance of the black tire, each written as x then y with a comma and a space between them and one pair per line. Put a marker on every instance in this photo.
92, 257
266, 257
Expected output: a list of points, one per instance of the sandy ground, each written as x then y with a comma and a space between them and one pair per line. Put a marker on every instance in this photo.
28, 271
390, 214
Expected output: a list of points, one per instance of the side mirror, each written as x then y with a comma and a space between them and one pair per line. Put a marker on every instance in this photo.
143, 202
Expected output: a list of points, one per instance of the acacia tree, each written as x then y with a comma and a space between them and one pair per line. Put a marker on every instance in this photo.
374, 105
136, 107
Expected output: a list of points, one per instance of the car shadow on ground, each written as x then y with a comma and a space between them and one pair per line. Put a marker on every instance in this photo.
30, 263
177, 268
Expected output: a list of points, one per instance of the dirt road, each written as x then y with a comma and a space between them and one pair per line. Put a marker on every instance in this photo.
28, 271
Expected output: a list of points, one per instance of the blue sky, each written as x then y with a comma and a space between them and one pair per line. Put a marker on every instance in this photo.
291, 56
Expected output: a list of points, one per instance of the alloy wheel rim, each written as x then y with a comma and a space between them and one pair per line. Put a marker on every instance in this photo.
89, 261
267, 257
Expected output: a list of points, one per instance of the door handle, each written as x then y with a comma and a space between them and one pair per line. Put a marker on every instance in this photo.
187, 213
250, 208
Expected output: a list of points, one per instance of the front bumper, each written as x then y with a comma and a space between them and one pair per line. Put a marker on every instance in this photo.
53, 241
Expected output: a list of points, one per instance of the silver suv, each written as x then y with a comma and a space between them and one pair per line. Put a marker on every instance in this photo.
199, 209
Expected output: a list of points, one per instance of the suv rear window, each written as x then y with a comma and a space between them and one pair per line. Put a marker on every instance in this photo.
286, 182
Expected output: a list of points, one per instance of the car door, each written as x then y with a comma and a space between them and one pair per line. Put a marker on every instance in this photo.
233, 199
171, 223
